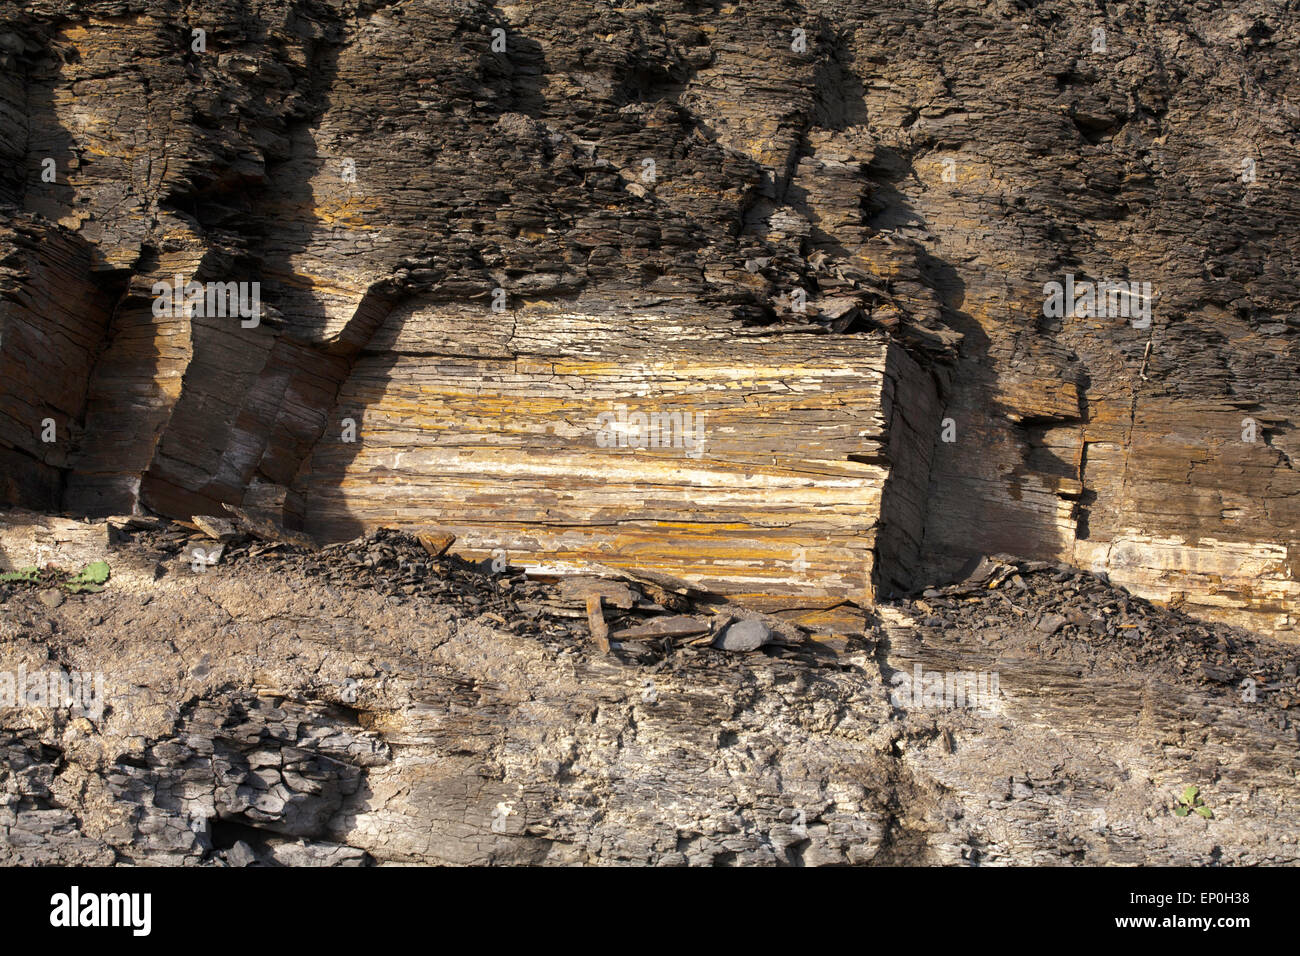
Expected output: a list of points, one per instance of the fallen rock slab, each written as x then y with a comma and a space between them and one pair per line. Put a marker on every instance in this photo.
673, 626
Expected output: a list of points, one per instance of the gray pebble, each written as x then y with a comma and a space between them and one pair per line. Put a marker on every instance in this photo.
744, 636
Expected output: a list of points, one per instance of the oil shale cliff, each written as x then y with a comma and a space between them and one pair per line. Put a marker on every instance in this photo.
664, 432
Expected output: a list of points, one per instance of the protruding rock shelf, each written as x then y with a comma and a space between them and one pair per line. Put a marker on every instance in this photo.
749, 463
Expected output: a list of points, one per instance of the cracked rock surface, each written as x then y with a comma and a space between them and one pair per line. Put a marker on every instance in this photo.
300, 707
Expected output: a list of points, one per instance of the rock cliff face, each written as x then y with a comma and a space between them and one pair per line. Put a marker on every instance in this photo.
822, 229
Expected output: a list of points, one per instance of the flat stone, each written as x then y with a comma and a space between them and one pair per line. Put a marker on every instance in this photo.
1051, 623
436, 543
677, 625
578, 590
219, 529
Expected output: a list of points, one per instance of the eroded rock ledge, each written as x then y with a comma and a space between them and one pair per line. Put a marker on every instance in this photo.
352, 707
915, 173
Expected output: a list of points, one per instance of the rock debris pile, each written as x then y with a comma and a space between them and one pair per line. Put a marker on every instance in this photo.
1068, 615
638, 615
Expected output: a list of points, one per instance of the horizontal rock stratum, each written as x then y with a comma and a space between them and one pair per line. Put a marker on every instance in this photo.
825, 231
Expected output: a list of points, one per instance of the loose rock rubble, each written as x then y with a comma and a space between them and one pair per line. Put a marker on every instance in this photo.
641, 611
1065, 614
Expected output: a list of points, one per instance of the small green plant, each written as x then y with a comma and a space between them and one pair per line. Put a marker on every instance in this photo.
22, 574
1190, 802
90, 578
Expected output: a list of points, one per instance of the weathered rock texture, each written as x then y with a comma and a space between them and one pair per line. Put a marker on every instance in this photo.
910, 172
324, 709
772, 472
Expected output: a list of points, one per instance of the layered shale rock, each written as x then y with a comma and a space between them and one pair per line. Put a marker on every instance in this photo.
746, 462
825, 227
